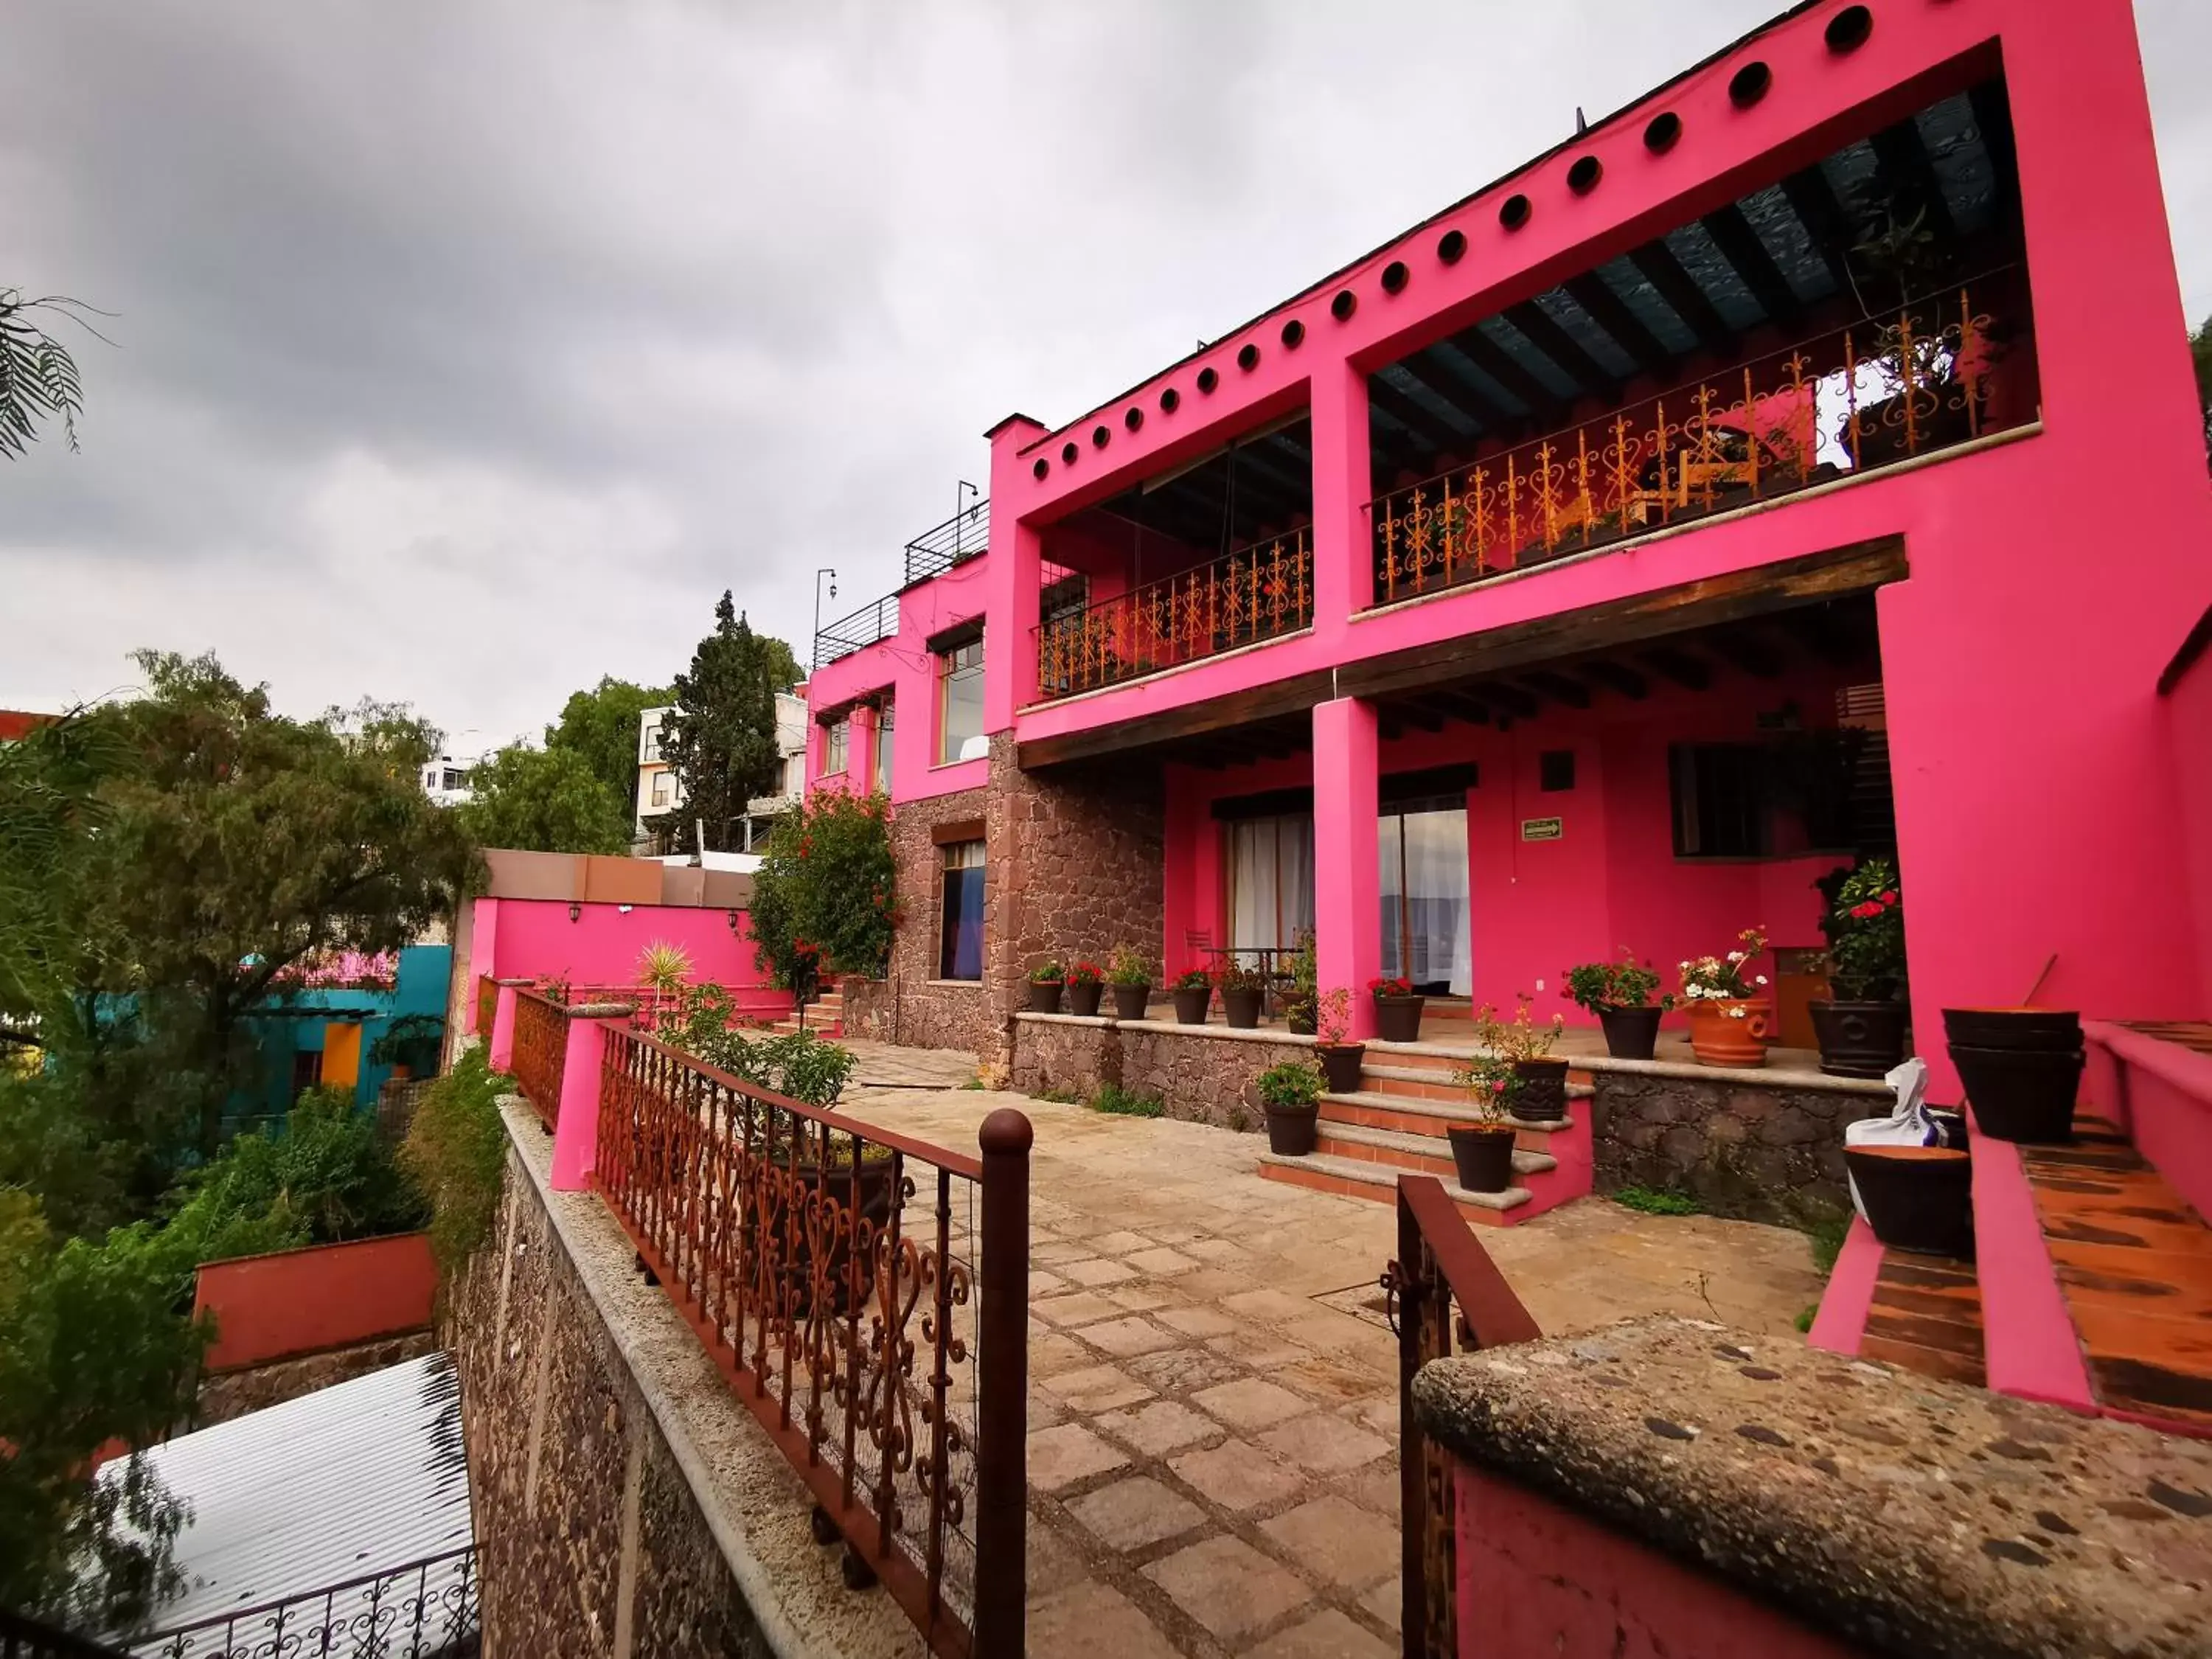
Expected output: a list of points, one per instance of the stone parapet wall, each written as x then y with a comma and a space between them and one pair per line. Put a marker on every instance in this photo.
1203, 1073
1753, 1150
233, 1394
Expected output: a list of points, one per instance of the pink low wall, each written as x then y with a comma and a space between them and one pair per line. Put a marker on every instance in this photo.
1537, 1578
1841, 1322
307, 1301
2029, 1345
2161, 1094
534, 938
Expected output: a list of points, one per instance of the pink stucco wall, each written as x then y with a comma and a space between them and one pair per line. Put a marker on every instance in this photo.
1537, 1577
2161, 1095
2188, 714
534, 938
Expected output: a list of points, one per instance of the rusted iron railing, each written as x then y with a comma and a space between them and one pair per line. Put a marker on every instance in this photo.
1438, 1262
426, 1608
1256, 592
541, 1052
1914, 381
487, 1004
832, 1270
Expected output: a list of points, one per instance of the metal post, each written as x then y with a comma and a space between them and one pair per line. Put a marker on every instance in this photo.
1003, 1388
816, 658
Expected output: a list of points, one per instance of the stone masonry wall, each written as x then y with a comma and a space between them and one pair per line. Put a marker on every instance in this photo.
1202, 1079
910, 1004
233, 1394
1753, 1152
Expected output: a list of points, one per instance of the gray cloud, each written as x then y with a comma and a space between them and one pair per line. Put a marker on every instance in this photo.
465, 353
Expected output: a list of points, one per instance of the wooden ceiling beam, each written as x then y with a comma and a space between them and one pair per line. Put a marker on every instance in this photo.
1813, 201
1747, 255
1560, 687
1656, 261
1562, 348
1617, 676
1425, 424
1610, 312
1515, 699
1671, 662
1905, 163
1492, 359
1745, 650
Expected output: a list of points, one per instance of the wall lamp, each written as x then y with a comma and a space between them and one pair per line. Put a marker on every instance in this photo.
576, 912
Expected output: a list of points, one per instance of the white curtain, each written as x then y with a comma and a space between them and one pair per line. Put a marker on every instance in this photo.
1271, 882
1425, 887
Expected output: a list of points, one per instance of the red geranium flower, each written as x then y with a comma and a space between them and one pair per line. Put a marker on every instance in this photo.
1890, 897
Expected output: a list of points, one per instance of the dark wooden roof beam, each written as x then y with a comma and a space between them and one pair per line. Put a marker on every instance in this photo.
1590, 292
1813, 202
1430, 428
1555, 342
1656, 261
1747, 652
1616, 677
1740, 245
1560, 687
1442, 383
1905, 164
1514, 699
1492, 359
1687, 672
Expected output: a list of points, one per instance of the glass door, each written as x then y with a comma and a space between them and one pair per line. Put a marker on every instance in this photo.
1425, 896
1271, 882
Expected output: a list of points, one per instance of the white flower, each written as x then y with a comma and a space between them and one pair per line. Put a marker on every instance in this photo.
1685, 964
1761, 979
1738, 1014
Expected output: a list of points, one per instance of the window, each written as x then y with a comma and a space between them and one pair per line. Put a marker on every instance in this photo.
960, 930
960, 702
884, 749
837, 737
1722, 795
307, 1070
456, 778
660, 789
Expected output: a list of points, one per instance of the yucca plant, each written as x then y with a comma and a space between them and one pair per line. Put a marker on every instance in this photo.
662, 968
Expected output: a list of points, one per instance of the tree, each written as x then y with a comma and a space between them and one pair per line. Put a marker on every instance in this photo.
544, 800
720, 738
2200, 354
783, 669
825, 897
600, 726
38, 376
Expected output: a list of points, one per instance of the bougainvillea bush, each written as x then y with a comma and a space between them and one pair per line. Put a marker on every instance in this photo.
825, 900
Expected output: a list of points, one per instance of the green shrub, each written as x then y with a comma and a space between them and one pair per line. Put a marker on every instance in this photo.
1292, 1083
1113, 1099
456, 1151
800, 1064
1653, 1201
825, 897
321, 1177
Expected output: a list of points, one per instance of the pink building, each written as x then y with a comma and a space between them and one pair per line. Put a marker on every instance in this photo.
1801, 463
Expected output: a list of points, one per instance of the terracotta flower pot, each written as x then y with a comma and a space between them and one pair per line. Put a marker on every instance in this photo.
1129, 1000
2021, 1094
1044, 996
1916, 1198
1082, 997
1630, 1033
1859, 1039
1720, 1035
1398, 1019
1190, 1005
1542, 1094
1292, 1130
1484, 1156
1341, 1064
1240, 1007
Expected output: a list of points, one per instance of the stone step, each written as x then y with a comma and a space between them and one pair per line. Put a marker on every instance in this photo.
1405, 1115
1424, 1154
1349, 1177
1410, 1083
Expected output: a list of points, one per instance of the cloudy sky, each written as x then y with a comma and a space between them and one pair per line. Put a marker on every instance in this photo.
464, 353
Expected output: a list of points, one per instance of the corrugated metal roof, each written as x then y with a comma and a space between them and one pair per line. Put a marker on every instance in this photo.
354, 1479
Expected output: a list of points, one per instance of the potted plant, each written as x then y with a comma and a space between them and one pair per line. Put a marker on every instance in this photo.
1483, 1151
2021, 1067
1538, 1094
1730, 1022
1290, 1092
1397, 1009
1301, 1008
1340, 1057
1046, 980
1619, 994
1085, 984
1192, 990
1130, 981
1241, 988
1861, 1027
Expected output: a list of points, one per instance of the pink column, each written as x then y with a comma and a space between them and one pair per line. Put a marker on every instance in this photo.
1347, 863
502, 1027
1344, 560
861, 752
577, 1135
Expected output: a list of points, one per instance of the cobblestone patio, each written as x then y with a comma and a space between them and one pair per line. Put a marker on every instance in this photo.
1213, 1411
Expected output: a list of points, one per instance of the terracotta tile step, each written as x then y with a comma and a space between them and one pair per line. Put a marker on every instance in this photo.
1349, 1177
1409, 1114
1435, 1086
1423, 1154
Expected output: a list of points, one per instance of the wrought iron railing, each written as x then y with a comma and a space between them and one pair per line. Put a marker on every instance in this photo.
1438, 1262
831, 1269
487, 1004
1843, 403
864, 627
958, 540
427, 1609
1256, 592
540, 1051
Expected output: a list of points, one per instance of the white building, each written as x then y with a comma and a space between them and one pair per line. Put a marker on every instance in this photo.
660, 790
445, 778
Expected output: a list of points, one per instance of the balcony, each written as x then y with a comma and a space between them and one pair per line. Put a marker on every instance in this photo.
966, 535
1256, 592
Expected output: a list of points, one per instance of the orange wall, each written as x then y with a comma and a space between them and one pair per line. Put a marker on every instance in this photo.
327, 1296
341, 1054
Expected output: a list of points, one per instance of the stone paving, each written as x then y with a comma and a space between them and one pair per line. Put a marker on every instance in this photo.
1213, 1412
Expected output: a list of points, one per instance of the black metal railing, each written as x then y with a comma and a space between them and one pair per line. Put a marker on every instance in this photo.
877, 620
958, 540
427, 1609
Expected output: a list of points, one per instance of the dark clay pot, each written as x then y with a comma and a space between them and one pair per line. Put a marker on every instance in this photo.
1859, 1039
1083, 998
2048, 1029
1291, 1130
1241, 1007
2025, 1094
1044, 996
1630, 1033
871, 1193
1916, 1198
1484, 1157
1341, 1064
1129, 1000
1542, 1096
1190, 1005
1298, 1018
1398, 1019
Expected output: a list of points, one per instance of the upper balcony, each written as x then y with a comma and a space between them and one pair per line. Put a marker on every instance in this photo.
966, 535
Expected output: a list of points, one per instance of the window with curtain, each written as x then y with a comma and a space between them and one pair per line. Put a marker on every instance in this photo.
837, 739
884, 749
1424, 882
960, 925
1271, 881
959, 701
